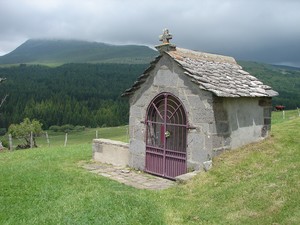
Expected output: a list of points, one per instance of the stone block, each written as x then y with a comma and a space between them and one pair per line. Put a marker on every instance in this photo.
208, 143
195, 102
165, 77
222, 127
227, 141
217, 141
207, 165
186, 177
136, 112
265, 102
139, 131
137, 146
220, 115
195, 139
267, 121
205, 127
181, 83
219, 151
191, 88
203, 115
172, 90
265, 131
212, 128
137, 161
267, 112
194, 166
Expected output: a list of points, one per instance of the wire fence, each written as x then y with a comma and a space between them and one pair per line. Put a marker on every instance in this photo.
284, 115
50, 139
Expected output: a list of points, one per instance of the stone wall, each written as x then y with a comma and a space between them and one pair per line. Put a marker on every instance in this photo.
246, 120
239, 121
111, 152
266, 104
220, 129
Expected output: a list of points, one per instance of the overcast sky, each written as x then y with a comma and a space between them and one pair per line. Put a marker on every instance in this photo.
256, 30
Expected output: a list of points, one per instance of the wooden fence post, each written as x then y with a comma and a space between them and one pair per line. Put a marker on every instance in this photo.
47, 138
127, 133
66, 139
283, 114
31, 139
96, 134
10, 142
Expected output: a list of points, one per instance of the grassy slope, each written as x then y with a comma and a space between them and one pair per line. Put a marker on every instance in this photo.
258, 184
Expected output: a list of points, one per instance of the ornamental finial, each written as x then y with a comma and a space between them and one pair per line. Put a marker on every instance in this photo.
166, 36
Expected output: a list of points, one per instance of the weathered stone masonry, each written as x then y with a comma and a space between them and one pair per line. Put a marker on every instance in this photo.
226, 106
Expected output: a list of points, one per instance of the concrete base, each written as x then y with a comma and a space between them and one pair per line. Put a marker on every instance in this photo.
111, 152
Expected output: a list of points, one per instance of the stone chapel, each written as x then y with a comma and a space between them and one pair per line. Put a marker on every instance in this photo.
189, 106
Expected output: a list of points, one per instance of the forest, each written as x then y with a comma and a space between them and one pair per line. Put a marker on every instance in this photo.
283, 79
77, 94
87, 94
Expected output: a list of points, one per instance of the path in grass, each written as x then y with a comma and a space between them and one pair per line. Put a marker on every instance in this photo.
130, 177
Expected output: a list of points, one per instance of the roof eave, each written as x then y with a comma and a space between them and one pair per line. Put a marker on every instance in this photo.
141, 79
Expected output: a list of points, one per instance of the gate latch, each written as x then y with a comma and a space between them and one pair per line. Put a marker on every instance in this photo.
167, 134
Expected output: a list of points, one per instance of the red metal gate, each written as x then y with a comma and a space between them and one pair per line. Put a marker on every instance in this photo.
166, 136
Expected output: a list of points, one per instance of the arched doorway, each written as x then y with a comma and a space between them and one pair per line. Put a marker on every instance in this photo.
166, 136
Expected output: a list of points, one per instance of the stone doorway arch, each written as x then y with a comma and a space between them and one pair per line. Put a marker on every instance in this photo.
166, 136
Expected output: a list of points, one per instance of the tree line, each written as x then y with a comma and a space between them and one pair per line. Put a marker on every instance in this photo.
90, 94
78, 94
284, 80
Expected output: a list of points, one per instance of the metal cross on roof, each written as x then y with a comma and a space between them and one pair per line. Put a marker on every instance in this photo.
166, 36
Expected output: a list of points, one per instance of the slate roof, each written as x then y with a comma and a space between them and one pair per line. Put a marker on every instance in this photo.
218, 74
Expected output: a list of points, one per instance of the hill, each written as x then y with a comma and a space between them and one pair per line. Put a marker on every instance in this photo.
57, 52
256, 184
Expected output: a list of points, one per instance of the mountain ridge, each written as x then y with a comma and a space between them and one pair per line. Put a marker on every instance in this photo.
59, 51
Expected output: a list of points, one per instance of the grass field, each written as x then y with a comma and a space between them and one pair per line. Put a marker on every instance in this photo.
256, 184
282, 116
57, 139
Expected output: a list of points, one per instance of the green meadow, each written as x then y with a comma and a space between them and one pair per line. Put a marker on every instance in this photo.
256, 184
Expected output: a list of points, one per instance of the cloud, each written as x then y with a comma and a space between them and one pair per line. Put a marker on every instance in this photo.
258, 30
